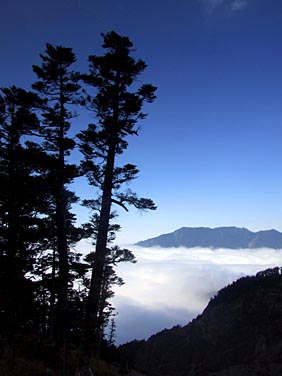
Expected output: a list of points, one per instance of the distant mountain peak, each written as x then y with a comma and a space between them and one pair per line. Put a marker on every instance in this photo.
220, 237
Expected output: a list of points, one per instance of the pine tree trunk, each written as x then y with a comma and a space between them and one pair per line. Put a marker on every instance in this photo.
90, 340
61, 319
12, 269
62, 246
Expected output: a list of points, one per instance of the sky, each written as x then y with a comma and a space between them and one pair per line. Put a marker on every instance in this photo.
209, 152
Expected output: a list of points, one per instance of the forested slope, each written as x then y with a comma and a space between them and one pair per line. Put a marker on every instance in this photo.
239, 333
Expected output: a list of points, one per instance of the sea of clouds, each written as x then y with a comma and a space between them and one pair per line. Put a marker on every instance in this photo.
170, 286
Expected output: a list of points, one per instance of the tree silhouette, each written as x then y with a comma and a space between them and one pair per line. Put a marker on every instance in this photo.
58, 88
117, 111
19, 209
52, 303
114, 256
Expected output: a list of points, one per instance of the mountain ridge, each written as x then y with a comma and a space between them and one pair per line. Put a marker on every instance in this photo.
238, 333
220, 237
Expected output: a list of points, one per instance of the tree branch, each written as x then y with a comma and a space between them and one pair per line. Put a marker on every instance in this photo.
120, 203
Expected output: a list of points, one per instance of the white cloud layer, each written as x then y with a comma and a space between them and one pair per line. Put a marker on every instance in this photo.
230, 5
171, 286
238, 5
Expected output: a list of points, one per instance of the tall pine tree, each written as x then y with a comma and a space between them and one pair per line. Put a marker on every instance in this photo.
19, 211
117, 111
57, 85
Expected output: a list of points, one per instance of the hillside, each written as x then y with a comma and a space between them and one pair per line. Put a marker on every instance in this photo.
220, 237
239, 333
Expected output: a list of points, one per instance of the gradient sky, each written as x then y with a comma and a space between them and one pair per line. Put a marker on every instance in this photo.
209, 152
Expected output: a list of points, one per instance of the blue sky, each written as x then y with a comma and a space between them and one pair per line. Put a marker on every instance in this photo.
209, 152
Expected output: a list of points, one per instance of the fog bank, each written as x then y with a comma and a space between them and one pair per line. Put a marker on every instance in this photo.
171, 286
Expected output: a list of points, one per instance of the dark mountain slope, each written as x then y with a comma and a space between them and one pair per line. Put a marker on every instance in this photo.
239, 333
221, 237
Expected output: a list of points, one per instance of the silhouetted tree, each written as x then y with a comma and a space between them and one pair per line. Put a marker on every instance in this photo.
19, 209
114, 255
58, 88
117, 112
112, 332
